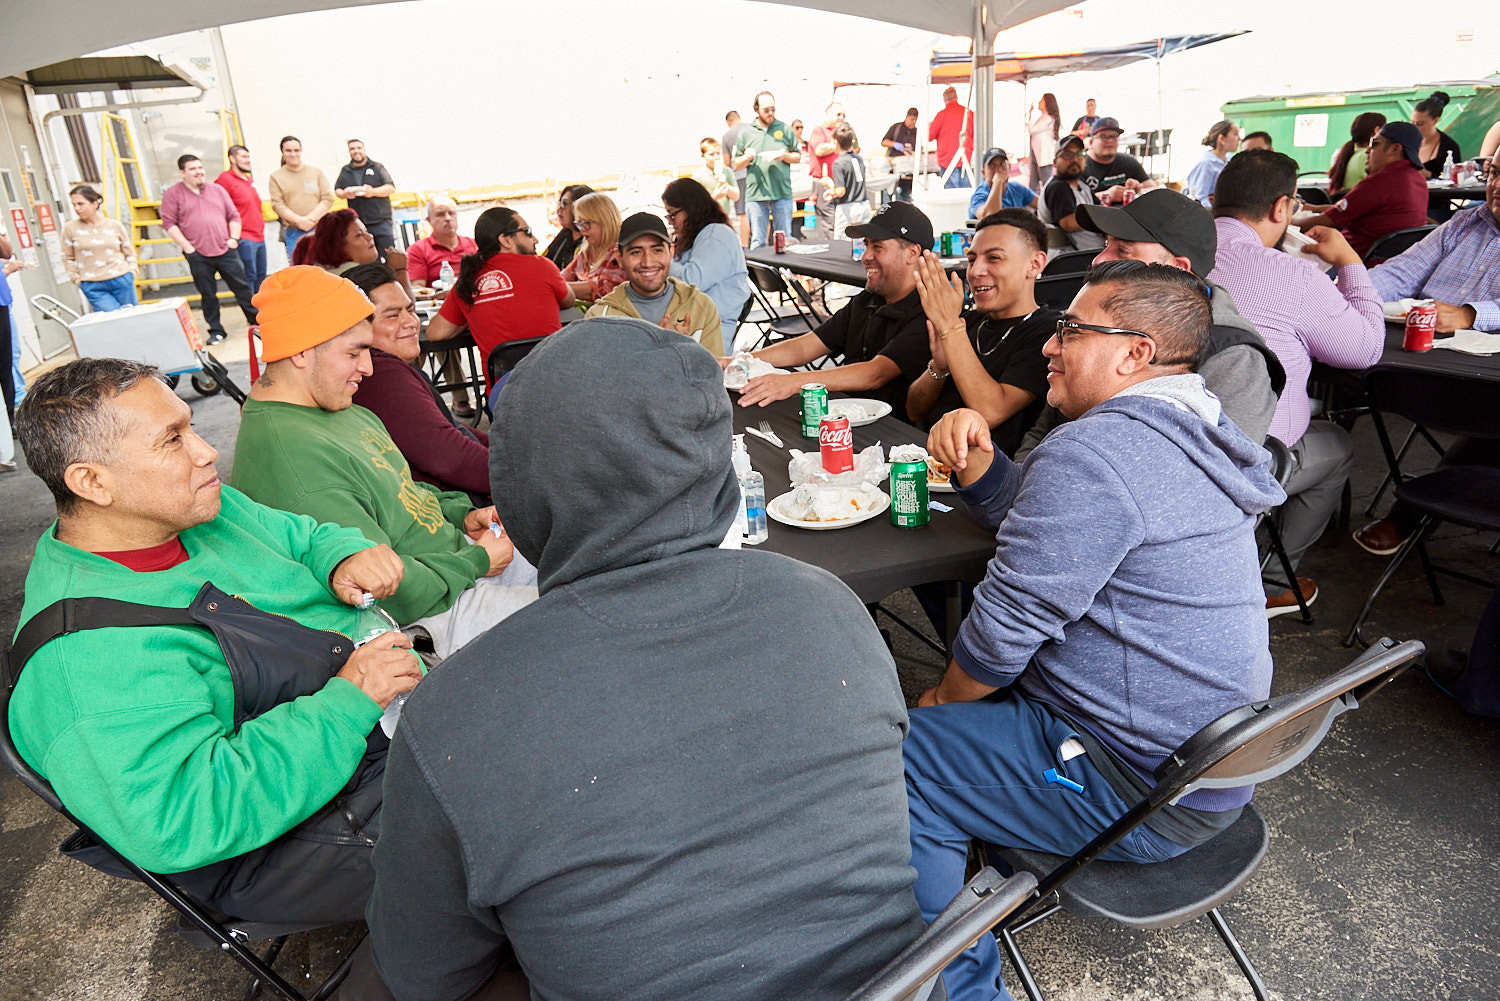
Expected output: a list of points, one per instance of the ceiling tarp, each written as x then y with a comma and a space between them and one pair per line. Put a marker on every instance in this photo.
38, 32
1022, 66
96, 73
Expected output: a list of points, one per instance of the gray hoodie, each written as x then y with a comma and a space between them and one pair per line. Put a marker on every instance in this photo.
1125, 589
646, 797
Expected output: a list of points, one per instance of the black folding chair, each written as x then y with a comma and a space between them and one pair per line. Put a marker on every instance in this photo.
1464, 495
1391, 244
507, 355
1251, 744
1058, 291
1073, 262
1281, 468
979, 906
791, 313
200, 925
1314, 196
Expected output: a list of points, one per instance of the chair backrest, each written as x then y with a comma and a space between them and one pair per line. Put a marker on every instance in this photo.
1281, 459
1314, 196
13, 760
1453, 404
767, 279
507, 355
1058, 291
1391, 244
1074, 262
983, 903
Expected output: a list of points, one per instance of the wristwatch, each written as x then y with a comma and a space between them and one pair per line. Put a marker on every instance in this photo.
933, 373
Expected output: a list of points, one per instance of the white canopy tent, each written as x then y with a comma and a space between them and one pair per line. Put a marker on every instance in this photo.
39, 33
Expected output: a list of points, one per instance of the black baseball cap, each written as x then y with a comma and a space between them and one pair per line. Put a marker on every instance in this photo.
898, 221
1071, 141
642, 224
991, 153
1408, 137
1162, 216
1105, 124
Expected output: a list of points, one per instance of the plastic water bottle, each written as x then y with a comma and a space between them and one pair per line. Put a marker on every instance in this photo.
753, 489
445, 276
1450, 169
740, 459
371, 621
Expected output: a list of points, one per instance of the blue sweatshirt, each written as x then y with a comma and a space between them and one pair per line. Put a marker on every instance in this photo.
716, 264
1125, 589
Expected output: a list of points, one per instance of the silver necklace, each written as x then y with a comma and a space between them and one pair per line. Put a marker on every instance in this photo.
1001, 339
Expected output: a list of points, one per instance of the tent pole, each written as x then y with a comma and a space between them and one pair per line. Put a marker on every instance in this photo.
982, 78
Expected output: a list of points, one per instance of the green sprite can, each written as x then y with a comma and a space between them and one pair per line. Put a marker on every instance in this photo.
814, 406
909, 494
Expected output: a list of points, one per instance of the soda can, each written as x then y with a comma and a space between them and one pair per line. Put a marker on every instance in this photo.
1421, 323
778, 240
836, 443
909, 494
1127, 197
814, 406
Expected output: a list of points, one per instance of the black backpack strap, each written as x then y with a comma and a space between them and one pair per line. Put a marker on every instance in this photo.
72, 614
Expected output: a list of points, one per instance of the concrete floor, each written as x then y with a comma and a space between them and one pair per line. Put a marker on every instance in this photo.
1381, 879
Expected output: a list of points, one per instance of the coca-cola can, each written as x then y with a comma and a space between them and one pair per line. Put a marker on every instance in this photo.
778, 240
1421, 323
836, 442
1128, 196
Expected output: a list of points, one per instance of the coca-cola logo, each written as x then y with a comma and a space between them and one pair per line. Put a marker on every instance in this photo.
1422, 319
833, 437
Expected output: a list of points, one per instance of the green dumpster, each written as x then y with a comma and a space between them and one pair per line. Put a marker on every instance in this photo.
1311, 127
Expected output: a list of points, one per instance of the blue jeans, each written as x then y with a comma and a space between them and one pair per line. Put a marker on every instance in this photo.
110, 294
15, 360
761, 216
974, 770
253, 260
289, 236
958, 179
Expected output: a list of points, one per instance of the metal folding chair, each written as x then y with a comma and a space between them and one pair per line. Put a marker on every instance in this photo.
1281, 468
1058, 291
1248, 745
1391, 244
1072, 262
791, 313
201, 925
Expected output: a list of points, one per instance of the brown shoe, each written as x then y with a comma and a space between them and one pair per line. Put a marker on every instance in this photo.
463, 410
1381, 537
1286, 601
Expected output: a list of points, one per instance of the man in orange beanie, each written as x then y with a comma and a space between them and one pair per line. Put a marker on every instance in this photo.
305, 447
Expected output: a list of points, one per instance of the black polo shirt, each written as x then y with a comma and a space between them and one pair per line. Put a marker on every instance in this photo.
374, 174
868, 326
1010, 349
1099, 176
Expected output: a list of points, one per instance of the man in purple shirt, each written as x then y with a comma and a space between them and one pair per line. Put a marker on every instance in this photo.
1303, 318
202, 220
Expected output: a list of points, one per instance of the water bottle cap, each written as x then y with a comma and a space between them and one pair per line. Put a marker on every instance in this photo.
368, 601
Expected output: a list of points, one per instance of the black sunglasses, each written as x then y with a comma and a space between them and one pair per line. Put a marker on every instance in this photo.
520, 229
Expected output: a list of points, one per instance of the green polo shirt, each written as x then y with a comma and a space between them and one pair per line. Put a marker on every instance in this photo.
767, 180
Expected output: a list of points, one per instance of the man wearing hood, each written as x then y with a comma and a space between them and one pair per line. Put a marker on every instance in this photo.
1162, 226
581, 781
1118, 626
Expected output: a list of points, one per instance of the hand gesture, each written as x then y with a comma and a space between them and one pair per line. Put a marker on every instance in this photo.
961, 441
764, 389
383, 668
1331, 247
942, 297
681, 326
501, 551
377, 570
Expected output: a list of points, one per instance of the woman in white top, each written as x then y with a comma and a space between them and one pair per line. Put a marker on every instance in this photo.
1043, 128
98, 255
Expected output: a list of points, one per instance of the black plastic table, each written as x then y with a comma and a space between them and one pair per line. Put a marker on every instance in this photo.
830, 262
875, 558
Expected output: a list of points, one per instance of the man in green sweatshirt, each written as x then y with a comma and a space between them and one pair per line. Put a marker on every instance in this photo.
305, 447
247, 768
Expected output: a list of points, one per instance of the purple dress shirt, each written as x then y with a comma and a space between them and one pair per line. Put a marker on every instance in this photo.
1457, 263
203, 217
1302, 315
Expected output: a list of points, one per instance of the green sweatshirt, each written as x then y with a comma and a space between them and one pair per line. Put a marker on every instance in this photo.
134, 726
342, 467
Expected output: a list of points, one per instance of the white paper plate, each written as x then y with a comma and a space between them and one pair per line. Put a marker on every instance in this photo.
777, 511
876, 408
940, 488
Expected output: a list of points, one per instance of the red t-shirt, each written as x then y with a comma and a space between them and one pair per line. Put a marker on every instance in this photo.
945, 128
817, 166
424, 259
246, 202
1388, 200
517, 296
162, 557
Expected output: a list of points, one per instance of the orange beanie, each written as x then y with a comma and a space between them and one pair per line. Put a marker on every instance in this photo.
303, 306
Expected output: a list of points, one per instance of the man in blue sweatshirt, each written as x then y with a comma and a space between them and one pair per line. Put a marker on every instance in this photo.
1122, 611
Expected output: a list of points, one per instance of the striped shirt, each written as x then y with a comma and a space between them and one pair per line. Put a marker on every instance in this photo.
1457, 263
1302, 315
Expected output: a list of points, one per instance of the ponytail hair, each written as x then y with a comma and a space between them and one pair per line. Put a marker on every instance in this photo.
488, 228
1049, 101
1433, 104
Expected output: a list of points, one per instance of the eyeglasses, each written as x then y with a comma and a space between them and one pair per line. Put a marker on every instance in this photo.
518, 229
582, 223
673, 213
1069, 154
1294, 204
1068, 330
